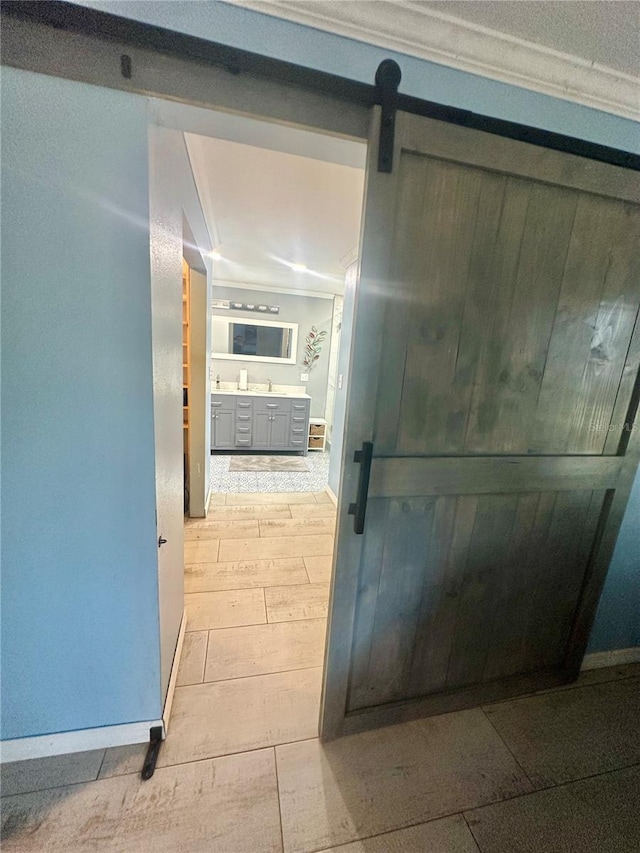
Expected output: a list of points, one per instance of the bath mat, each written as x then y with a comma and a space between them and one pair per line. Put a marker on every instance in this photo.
268, 464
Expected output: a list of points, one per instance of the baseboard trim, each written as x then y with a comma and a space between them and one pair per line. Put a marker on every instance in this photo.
206, 503
81, 740
104, 737
173, 678
617, 657
334, 499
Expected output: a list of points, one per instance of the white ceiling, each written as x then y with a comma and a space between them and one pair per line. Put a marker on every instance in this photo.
267, 208
600, 31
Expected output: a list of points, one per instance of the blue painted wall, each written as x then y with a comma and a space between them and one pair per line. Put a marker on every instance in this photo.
80, 643
617, 624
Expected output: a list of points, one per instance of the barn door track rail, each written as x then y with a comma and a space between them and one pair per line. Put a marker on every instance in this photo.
135, 34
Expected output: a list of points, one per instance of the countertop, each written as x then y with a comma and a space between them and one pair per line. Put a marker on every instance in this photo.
276, 393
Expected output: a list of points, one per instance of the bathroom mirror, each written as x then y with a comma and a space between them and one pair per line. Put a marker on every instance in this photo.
241, 339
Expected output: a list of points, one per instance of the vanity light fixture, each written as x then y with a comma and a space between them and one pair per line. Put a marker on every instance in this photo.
244, 306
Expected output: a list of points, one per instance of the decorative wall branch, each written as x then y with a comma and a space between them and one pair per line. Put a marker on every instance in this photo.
313, 348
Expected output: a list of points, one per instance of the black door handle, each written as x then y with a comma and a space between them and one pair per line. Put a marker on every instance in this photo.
359, 508
161, 541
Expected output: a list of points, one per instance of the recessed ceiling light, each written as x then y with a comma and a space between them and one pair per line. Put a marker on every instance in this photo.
215, 256
299, 267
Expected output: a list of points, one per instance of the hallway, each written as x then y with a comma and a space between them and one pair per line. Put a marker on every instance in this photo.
257, 588
242, 770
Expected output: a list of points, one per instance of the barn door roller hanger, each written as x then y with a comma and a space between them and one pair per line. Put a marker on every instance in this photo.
388, 78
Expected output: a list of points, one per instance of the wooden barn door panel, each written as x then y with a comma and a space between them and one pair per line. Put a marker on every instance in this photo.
495, 371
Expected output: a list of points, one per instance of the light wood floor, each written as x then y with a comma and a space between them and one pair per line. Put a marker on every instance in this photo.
257, 573
257, 576
242, 770
257, 588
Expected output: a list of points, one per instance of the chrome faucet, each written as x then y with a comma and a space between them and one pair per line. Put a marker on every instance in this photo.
270, 384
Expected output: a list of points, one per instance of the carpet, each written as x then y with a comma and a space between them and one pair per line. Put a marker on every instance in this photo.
268, 464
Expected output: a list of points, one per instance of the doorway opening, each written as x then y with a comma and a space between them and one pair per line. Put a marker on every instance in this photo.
285, 227
282, 210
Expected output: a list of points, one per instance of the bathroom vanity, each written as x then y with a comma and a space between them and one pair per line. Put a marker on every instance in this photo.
259, 420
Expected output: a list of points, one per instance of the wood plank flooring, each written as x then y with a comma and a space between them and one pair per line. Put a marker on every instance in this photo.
251, 668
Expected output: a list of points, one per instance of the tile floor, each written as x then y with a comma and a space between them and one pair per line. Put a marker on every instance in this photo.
315, 480
242, 770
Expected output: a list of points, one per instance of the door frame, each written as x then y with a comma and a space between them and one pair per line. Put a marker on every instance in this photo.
102, 49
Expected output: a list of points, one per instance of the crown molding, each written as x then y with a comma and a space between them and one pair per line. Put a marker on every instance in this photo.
410, 28
271, 288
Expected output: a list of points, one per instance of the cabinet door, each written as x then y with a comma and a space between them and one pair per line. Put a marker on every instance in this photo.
224, 423
261, 429
214, 429
280, 429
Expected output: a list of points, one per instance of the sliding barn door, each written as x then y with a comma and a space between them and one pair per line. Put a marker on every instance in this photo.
494, 380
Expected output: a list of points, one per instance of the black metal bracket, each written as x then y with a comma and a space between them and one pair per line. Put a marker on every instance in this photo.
150, 759
359, 508
126, 67
388, 78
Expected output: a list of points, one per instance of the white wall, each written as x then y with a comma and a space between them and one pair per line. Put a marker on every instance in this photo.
334, 350
172, 196
344, 353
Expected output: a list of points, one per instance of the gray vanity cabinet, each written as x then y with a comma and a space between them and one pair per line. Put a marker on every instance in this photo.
272, 423
299, 431
259, 423
223, 422
280, 428
244, 422
271, 430
261, 430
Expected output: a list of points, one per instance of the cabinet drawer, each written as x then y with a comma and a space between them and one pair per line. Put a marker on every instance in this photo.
297, 442
244, 417
242, 441
277, 404
297, 431
300, 406
244, 404
240, 429
219, 402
